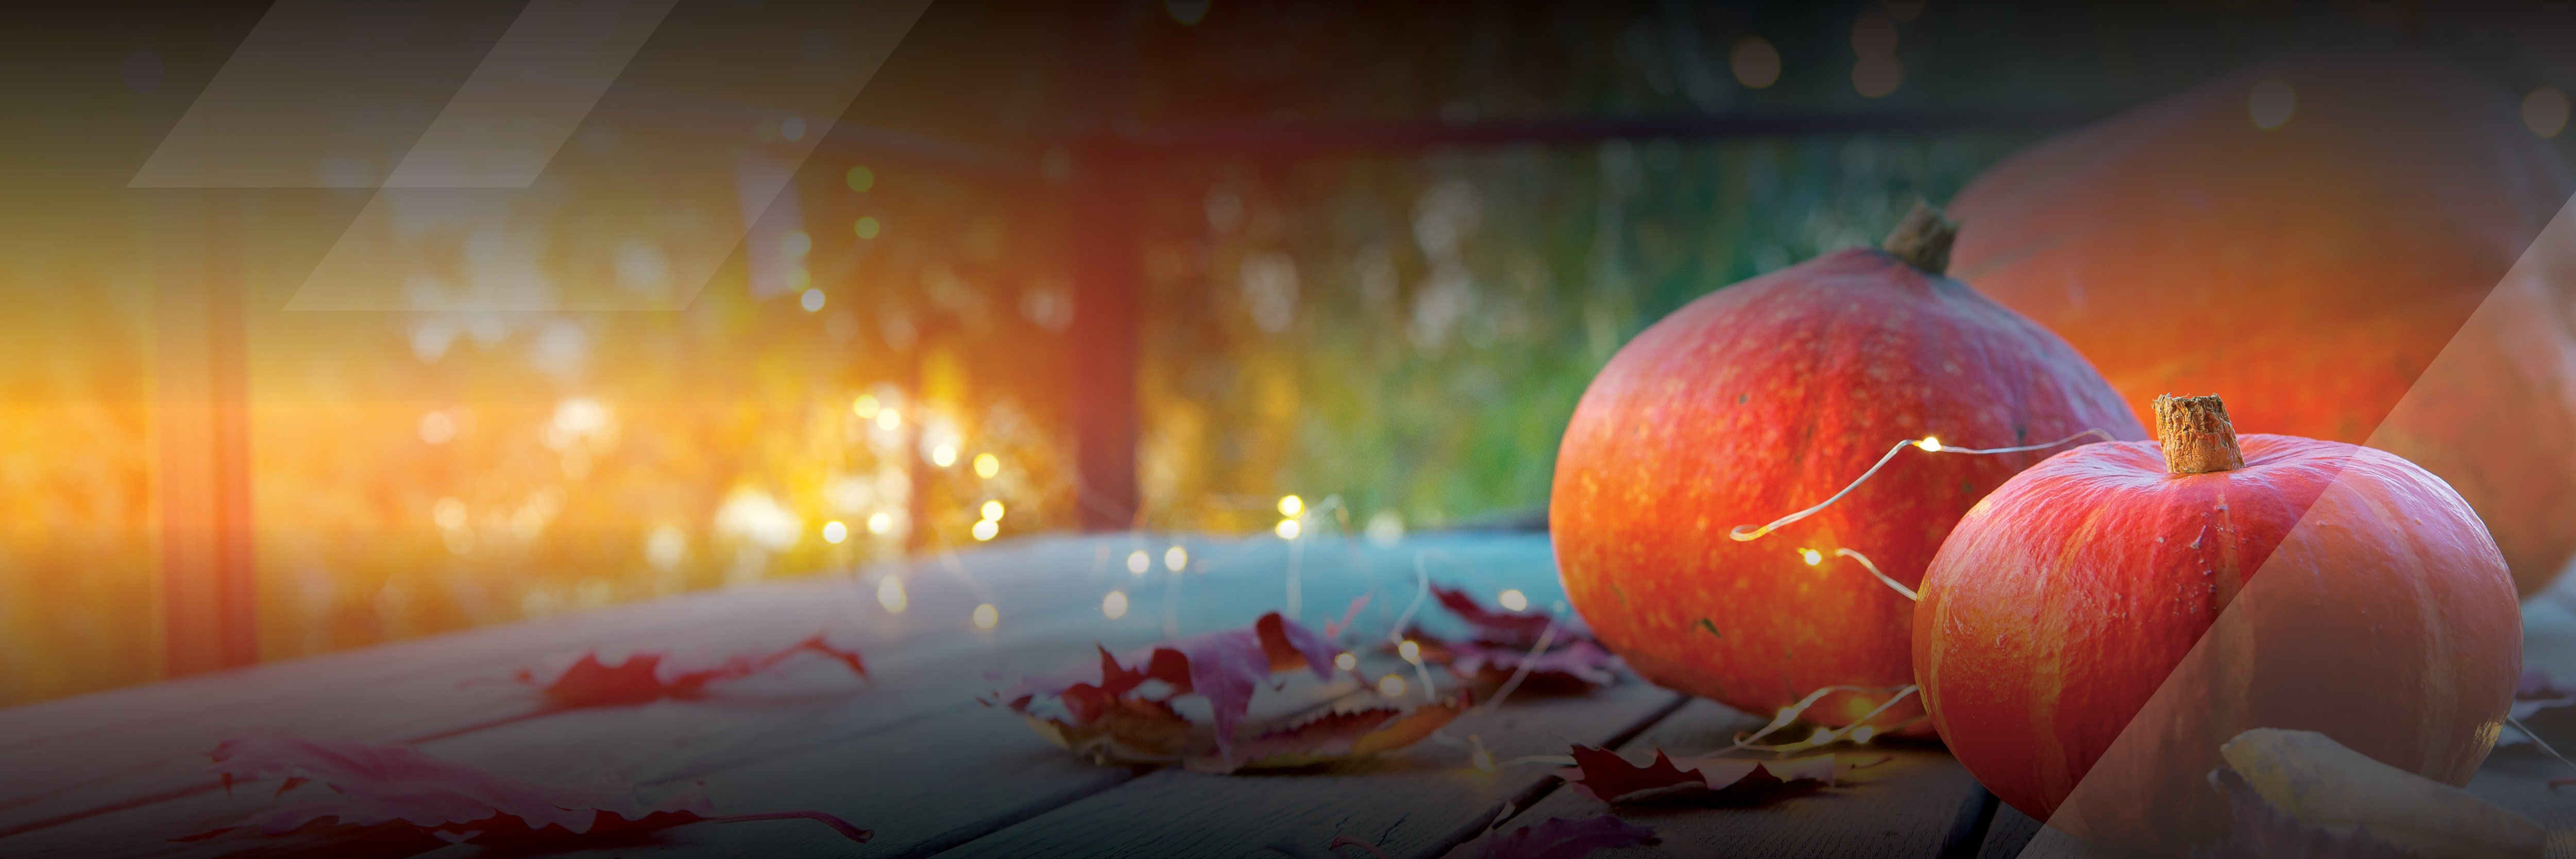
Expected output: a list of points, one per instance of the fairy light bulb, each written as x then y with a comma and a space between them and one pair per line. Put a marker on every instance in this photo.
1514, 600
986, 530
1820, 737
1863, 733
1138, 563
890, 595
1114, 606
987, 616
879, 523
1346, 661
834, 532
1931, 444
1287, 529
1176, 558
993, 510
1410, 650
1811, 556
1290, 506
1391, 686
987, 465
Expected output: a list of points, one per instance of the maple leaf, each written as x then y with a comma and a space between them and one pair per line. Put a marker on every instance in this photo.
1508, 628
1604, 775
1576, 664
1553, 838
640, 678
2536, 693
1224, 667
1338, 736
408, 791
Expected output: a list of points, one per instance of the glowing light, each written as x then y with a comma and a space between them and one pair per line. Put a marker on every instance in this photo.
867, 227
834, 532
812, 300
1409, 651
1483, 760
890, 594
1287, 529
793, 128
888, 419
880, 523
1514, 600
1391, 686
449, 513
1138, 563
1756, 63
860, 178
1929, 444
1347, 661
986, 530
666, 547
1176, 558
944, 455
2271, 103
2544, 111
1114, 606
1873, 37
866, 406
993, 510
1290, 506
1820, 737
987, 465
986, 616
796, 243
1875, 77
437, 428
1863, 733
1812, 556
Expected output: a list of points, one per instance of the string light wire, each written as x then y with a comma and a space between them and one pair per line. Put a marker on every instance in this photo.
1927, 444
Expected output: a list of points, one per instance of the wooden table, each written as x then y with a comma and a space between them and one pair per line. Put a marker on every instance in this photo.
913, 756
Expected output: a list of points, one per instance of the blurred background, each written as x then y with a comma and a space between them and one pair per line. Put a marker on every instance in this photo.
1109, 265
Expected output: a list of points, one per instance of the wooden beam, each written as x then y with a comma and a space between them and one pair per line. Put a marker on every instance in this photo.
201, 428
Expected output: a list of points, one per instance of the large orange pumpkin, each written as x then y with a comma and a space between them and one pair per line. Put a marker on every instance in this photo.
2093, 631
1769, 396
2306, 239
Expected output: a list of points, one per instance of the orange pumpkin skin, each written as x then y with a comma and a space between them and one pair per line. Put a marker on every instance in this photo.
2094, 630
1768, 396
2313, 272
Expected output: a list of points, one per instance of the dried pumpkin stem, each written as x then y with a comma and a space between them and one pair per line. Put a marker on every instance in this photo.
2197, 436
1923, 239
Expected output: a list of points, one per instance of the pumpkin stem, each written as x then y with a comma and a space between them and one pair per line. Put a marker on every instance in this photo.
2197, 437
1923, 239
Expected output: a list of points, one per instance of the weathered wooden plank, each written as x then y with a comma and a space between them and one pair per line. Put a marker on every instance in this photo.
1919, 803
1417, 802
2011, 832
925, 669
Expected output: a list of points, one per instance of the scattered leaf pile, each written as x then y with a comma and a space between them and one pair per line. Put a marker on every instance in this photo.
640, 679
1506, 643
402, 794
1117, 719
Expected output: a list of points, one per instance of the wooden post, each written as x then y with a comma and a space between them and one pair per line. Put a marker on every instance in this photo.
201, 427
1101, 214
1106, 336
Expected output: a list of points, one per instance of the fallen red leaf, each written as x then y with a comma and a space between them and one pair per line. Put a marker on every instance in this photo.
1223, 667
1338, 736
1509, 628
403, 788
639, 679
1604, 775
1565, 663
2536, 693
